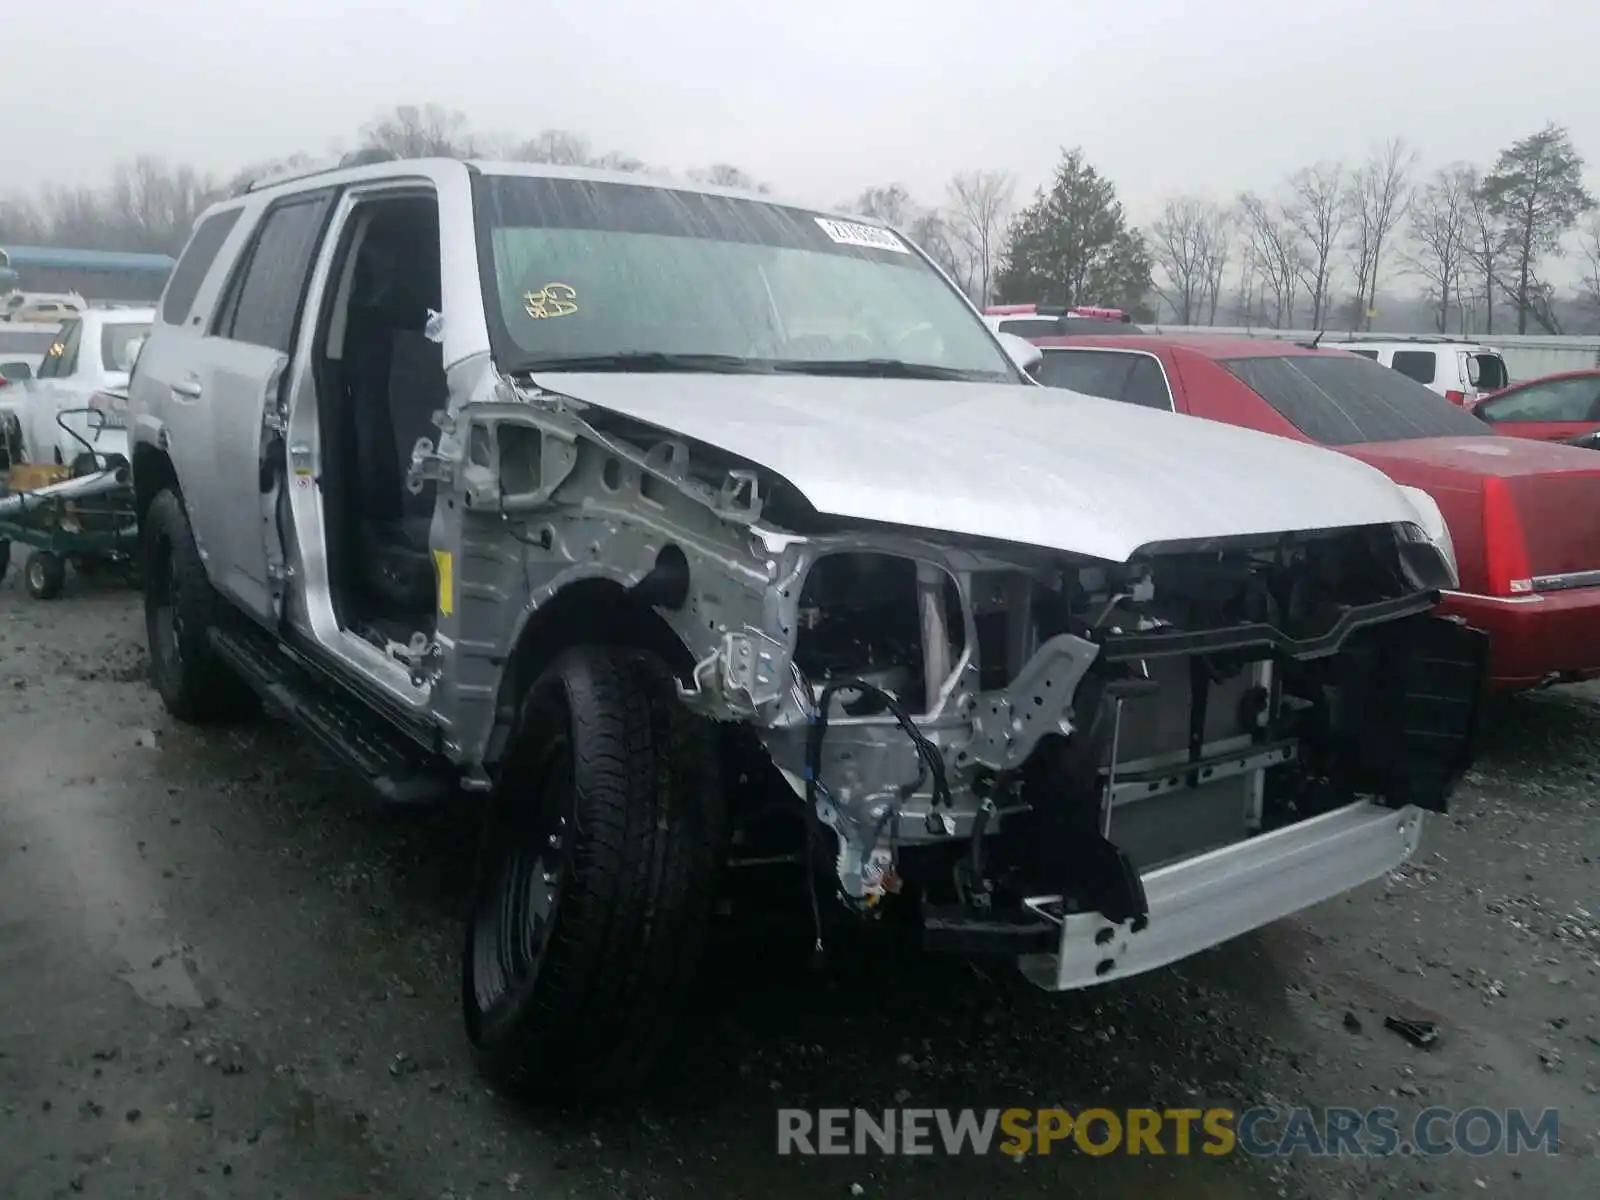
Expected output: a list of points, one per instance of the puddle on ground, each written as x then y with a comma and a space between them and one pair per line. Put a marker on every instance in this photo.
163, 975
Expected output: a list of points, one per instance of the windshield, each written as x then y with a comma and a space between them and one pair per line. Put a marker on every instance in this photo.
1340, 400
583, 270
119, 344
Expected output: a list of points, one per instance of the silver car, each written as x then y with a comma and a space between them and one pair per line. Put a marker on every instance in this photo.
692, 530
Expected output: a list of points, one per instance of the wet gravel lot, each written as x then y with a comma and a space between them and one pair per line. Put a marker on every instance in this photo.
222, 973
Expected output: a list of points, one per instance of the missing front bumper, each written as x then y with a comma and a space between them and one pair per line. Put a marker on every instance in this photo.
1204, 901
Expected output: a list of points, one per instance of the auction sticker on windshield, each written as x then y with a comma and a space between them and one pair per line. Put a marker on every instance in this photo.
848, 233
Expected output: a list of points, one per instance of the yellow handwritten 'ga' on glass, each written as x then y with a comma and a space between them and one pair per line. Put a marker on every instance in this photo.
552, 300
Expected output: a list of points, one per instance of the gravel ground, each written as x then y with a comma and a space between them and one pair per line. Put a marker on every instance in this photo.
222, 973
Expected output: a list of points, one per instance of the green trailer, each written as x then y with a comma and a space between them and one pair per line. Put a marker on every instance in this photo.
80, 515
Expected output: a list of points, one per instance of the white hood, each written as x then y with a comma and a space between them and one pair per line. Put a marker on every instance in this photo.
1035, 465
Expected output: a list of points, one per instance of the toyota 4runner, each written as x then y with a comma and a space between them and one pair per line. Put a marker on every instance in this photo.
648, 512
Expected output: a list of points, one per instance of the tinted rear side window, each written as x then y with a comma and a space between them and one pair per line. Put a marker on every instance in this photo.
1092, 372
1340, 400
1421, 365
1147, 385
1031, 327
194, 263
266, 301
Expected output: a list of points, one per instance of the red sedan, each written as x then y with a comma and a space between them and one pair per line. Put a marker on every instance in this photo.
1524, 515
1556, 408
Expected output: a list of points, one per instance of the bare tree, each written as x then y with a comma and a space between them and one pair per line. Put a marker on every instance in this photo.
1189, 246
297, 161
76, 216
421, 131
932, 232
890, 203
1178, 251
729, 176
980, 204
21, 223
1216, 247
1316, 212
1442, 237
555, 146
1376, 198
616, 160
1278, 256
1247, 291
152, 206
1486, 247
1589, 283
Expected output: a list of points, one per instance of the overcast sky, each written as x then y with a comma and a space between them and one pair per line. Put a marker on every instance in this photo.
819, 98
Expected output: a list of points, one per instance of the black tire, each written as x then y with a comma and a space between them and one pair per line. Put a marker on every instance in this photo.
573, 999
180, 607
44, 575
5, 558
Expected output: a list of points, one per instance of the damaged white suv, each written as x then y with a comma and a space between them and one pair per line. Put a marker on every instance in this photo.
647, 511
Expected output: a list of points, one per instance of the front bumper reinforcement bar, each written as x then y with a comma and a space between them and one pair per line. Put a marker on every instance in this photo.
1204, 901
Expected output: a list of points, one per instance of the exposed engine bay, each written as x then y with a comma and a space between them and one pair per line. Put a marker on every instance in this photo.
1008, 734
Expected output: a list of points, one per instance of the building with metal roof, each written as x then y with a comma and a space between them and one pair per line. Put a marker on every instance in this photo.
97, 274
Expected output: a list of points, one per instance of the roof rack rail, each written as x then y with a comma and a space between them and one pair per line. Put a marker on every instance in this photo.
364, 157
1422, 338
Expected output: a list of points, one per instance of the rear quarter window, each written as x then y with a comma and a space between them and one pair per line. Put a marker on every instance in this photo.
1421, 365
194, 264
1093, 372
1031, 327
1341, 400
25, 341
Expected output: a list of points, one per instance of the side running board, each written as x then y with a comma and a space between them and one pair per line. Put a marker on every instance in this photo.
399, 770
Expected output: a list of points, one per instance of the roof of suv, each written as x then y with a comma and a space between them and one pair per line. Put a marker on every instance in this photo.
1416, 343
315, 177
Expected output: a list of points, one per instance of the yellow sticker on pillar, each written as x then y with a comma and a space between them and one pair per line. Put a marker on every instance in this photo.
444, 566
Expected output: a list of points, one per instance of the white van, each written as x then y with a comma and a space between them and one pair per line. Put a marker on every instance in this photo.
1458, 371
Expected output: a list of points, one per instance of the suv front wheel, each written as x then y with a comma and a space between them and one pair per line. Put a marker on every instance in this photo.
180, 607
596, 878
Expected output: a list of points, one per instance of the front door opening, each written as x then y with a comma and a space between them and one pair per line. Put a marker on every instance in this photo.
381, 379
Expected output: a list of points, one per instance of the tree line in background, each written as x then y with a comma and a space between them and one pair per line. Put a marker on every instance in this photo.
1314, 252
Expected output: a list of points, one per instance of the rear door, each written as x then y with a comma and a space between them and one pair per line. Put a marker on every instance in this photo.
165, 402
245, 367
1553, 410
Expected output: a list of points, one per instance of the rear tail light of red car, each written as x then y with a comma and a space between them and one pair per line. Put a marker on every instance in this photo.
1505, 549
